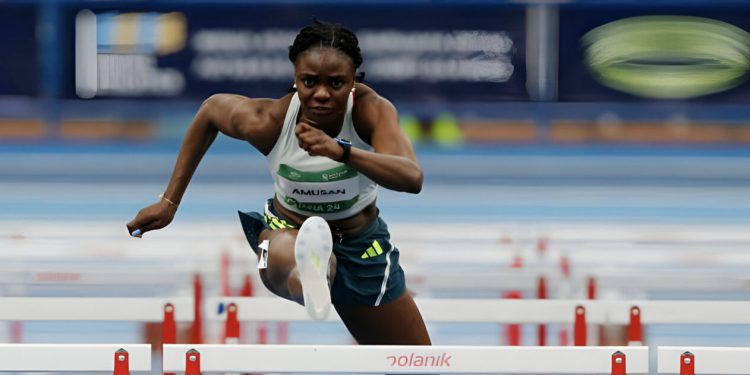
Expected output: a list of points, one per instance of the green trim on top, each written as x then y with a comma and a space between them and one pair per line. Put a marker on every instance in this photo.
339, 173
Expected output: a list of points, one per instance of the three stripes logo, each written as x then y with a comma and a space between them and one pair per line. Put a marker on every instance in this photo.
276, 223
372, 251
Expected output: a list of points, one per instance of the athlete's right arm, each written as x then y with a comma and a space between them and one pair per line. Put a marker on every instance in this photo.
234, 115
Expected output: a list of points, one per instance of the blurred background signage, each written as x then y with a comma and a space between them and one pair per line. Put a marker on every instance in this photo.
445, 52
665, 53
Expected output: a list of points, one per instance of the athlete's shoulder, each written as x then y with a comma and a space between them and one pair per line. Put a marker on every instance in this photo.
371, 110
264, 112
279, 107
366, 99
363, 92
256, 120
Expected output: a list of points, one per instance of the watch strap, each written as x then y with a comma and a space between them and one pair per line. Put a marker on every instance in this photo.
347, 146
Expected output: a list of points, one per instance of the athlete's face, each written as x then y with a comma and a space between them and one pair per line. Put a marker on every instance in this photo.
324, 78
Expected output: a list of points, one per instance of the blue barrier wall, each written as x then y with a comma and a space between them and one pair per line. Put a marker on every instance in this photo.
485, 63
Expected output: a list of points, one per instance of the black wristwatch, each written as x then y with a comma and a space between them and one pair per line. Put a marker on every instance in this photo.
347, 146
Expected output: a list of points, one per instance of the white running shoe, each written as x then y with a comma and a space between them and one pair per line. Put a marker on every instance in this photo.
312, 251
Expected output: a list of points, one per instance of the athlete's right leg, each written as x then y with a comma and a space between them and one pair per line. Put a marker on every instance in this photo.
281, 276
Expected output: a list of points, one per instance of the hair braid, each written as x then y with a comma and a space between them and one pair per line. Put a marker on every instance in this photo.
320, 33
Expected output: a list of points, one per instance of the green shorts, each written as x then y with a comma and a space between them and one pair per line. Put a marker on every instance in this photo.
367, 268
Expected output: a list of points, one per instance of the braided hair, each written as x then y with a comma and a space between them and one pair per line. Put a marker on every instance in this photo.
320, 33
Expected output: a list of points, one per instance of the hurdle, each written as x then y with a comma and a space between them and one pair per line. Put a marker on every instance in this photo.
511, 311
422, 279
195, 359
635, 314
108, 309
167, 311
687, 360
117, 359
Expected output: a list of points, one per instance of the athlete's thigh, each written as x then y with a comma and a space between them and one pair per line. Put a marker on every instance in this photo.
280, 260
280, 247
396, 323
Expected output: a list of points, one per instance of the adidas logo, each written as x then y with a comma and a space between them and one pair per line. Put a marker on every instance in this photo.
372, 251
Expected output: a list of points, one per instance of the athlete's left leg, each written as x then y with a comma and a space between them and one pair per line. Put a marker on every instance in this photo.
398, 322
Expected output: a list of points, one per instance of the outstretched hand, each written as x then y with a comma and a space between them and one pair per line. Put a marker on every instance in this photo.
155, 216
316, 142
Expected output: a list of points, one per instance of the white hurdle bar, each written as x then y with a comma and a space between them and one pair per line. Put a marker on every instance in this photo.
75, 357
526, 279
194, 359
687, 360
110, 309
511, 311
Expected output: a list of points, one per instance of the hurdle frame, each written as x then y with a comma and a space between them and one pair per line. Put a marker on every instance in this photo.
404, 359
693, 360
116, 358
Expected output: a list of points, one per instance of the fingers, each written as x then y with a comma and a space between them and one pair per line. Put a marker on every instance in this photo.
313, 140
306, 140
303, 127
153, 225
305, 135
153, 217
136, 230
133, 229
314, 147
136, 227
139, 230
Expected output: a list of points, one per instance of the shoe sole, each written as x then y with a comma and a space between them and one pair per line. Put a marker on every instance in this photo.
312, 252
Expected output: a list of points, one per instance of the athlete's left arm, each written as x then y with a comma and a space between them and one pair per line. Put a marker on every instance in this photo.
392, 163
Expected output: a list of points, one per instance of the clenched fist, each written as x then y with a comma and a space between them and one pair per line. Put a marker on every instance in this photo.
317, 143
155, 216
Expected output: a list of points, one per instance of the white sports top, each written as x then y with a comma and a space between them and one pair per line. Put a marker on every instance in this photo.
317, 185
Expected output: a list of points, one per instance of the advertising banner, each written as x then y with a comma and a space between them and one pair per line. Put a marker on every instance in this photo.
19, 69
441, 52
654, 53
